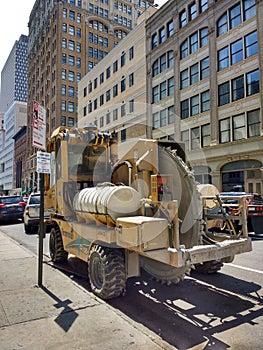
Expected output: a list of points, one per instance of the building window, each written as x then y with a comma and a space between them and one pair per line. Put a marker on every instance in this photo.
70, 121
63, 90
115, 66
184, 49
123, 59
107, 95
71, 76
235, 16
155, 94
192, 12
223, 58
170, 84
203, 37
131, 106
182, 19
131, 79
251, 44
64, 43
123, 84
71, 60
115, 114
203, 5
162, 35
71, 45
101, 77
108, 73
194, 74
71, 30
204, 68
170, 111
115, 90
237, 88
63, 106
108, 118
194, 105
185, 139
163, 121
222, 26
84, 111
101, 100
224, 93
194, 42
185, 109
64, 58
154, 40
72, 15
249, 8
63, 121
71, 91
63, 74
252, 82
205, 135
155, 68
253, 123
239, 127
205, 101
131, 53
195, 138
71, 107
123, 110
156, 121
170, 28
184, 79
236, 50
163, 90
224, 130
101, 122
123, 135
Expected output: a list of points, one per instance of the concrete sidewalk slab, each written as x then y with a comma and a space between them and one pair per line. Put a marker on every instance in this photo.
60, 314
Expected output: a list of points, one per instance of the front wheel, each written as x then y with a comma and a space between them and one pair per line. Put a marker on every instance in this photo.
56, 249
106, 271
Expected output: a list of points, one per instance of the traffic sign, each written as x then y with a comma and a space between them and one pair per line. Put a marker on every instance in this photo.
39, 126
43, 162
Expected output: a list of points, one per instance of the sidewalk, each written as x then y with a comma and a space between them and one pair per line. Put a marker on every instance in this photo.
61, 314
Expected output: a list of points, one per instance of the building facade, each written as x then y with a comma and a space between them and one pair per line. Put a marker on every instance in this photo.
66, 40
20, 180
205, 59
13, 104
113, 95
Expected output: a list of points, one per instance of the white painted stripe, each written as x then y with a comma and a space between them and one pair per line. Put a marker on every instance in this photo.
245, 268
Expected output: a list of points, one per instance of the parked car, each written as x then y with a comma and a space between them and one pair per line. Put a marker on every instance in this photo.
11, 208
254, 209
31, 214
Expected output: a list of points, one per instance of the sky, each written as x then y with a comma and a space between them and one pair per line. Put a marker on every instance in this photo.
14, 17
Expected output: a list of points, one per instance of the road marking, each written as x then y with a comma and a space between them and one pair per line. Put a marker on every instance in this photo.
246, 268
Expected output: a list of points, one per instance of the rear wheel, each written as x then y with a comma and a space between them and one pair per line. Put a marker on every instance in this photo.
209, 267
106, 271
56, 249
164, 273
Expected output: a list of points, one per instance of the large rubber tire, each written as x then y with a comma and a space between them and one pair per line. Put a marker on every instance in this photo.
56, 249
164, 273
106, 271
209, 267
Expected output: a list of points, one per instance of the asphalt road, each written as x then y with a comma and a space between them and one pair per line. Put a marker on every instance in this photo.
222, 311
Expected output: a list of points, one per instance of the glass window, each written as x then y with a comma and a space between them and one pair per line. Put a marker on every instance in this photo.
163, 90
236, 50
64, 28
195, 138
156, 120
205, 101
253, 123
235, 16
63, 106
123, 85
131, 79
184, 79
251, 44
71, 91
224, 130
63, 121
101, 77
71, 45
101, 100
194, 42
63, 90
224, 93
71, 76
252, 82
131, 106
107, 95
123, 110
155, 94
170, 58
78, 47
155, 68
71, 60
71, 107
131, 53
222, 26
192, 11
203, 5
182, 19
163, 120
238, 88
162, 63
115, 90
205, 135
203, 37
64, 13
70, 121
170, 28
154, 40
107, 117
161, 35
123, 59
64, 58
170, 111
194, 74
64, 43
170, 83
115, 66
184, 49
249, 8
63, 74
223, 58
71, 30
204, 68
115, 114
185, 109
194, 105
239, 127
185, 139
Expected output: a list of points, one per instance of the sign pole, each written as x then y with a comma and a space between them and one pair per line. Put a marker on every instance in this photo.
41, 230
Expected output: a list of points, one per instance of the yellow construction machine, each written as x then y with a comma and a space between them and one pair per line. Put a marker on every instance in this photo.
136, 207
